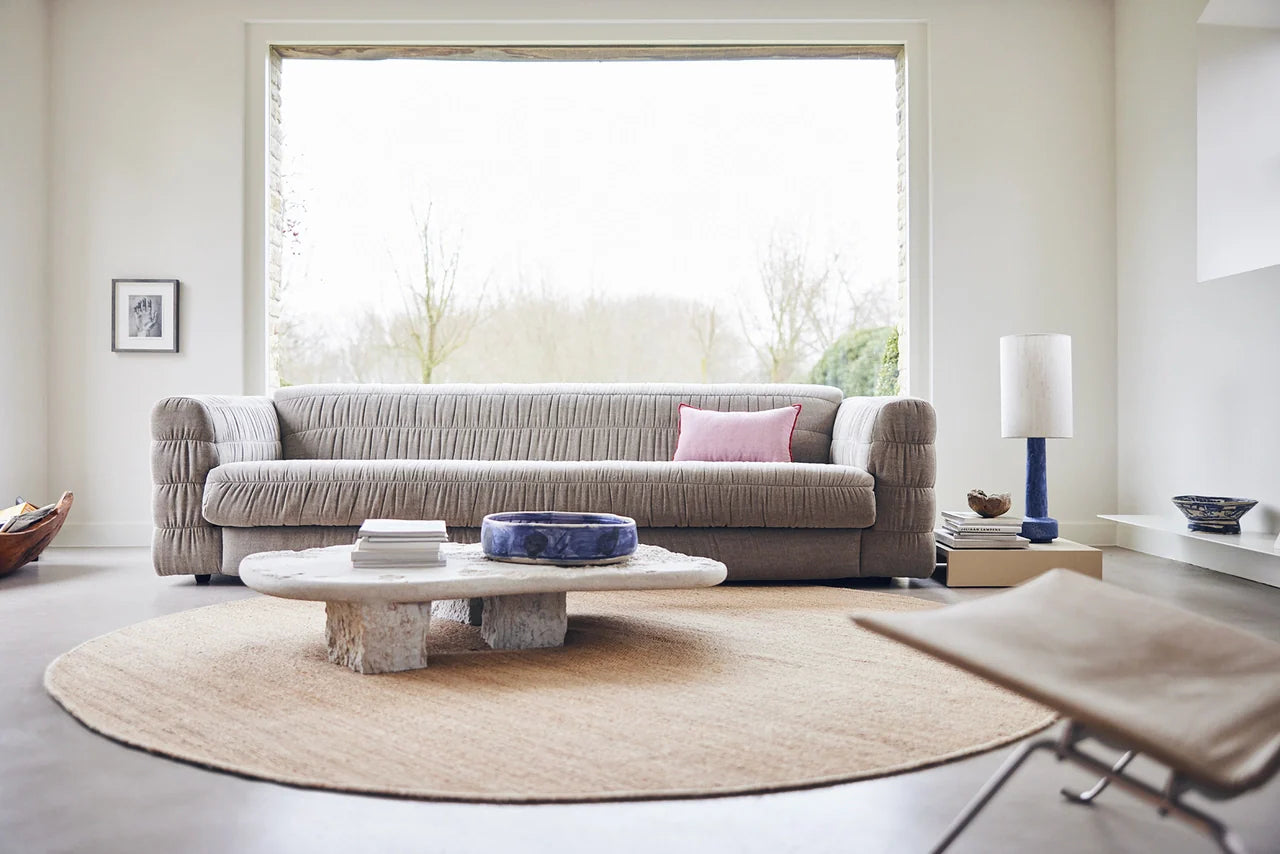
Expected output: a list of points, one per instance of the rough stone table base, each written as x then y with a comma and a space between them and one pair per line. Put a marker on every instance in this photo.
390, 637
525, 621
528, 621
378, 638
459, 610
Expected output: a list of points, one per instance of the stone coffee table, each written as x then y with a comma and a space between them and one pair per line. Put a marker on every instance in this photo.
377, 619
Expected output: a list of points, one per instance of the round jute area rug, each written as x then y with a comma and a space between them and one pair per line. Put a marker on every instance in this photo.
655, 694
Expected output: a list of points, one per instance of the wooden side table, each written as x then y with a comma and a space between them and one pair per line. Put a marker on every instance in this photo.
1008, 567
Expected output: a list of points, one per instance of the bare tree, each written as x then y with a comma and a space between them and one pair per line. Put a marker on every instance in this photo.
283, 325
366, 350
809, 307
706, 331
437, 319
846, 303
862, 304
791, 290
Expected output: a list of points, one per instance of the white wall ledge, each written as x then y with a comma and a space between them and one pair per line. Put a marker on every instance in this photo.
1251, 554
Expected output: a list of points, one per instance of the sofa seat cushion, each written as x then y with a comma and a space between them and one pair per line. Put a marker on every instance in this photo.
655, 494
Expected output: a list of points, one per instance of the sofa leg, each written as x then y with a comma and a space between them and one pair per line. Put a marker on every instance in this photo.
202, 580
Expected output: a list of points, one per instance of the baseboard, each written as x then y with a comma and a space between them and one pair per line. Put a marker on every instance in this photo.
1090, 532
105, 534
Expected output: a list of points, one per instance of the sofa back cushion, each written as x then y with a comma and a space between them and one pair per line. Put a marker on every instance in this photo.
561, 421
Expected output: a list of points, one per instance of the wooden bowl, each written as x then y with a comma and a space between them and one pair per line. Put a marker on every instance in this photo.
989, 506
19, 549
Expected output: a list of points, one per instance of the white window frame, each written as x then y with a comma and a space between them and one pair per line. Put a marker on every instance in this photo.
262, 37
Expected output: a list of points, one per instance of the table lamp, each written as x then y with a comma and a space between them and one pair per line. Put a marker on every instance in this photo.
1035, 404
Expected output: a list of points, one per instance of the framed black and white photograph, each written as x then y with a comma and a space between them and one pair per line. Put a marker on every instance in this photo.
144, 315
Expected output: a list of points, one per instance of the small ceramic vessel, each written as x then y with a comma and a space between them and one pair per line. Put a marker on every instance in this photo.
1213, 513
564, 539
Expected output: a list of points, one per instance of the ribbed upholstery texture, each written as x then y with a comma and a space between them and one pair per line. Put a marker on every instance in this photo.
190, 436
462, 492
751, 554
568, 421
302, 468
891, 438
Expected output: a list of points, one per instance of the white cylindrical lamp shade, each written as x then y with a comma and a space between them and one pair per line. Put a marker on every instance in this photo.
1035, 386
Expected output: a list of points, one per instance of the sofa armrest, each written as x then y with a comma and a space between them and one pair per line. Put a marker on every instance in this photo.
189, 436
892, 439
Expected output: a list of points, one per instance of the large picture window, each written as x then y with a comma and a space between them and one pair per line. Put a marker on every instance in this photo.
546, 215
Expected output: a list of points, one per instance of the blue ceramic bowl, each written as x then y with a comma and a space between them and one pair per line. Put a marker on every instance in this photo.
1212, 513
566, 539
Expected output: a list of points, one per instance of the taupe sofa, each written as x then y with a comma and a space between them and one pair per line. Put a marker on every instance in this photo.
305, 466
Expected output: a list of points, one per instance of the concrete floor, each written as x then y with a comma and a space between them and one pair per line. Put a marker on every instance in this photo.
64, 789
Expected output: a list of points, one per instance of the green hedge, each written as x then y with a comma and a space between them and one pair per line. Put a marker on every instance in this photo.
862, 363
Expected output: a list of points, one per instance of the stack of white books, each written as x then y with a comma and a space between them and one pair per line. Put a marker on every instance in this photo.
399, 544
965, 530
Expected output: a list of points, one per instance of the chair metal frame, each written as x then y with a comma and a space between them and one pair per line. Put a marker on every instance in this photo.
1166, 800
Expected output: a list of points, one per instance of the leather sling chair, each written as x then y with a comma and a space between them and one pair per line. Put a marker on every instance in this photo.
1125, 671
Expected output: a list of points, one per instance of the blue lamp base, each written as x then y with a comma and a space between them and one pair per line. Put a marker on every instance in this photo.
1038, 526
1040, 530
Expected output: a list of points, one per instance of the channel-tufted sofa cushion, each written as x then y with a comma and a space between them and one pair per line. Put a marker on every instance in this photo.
656, 495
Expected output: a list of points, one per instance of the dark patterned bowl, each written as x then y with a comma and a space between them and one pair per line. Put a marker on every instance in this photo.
565, 539
1212, 513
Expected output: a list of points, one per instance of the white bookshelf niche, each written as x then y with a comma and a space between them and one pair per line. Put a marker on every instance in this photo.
1249, 554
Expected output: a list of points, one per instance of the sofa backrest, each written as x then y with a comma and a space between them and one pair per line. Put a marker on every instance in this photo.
562, 421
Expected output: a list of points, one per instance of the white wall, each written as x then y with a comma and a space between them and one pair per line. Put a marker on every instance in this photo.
1199, 403
147, 180
1241, 13
1024, 231
23, 77
1237, 150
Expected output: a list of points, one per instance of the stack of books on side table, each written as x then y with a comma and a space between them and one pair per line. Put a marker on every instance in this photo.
965, 530
399, 544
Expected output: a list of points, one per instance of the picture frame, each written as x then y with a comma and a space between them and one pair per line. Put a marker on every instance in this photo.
144, 315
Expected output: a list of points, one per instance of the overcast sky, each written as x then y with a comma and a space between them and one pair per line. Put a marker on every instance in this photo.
606, 177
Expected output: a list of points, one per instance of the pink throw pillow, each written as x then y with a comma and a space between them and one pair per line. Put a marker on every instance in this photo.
727, 437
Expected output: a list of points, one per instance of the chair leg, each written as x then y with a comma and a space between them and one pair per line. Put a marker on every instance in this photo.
1224, 836
1167, 801
989, 789
1087, 797
202, 580
1228, 841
